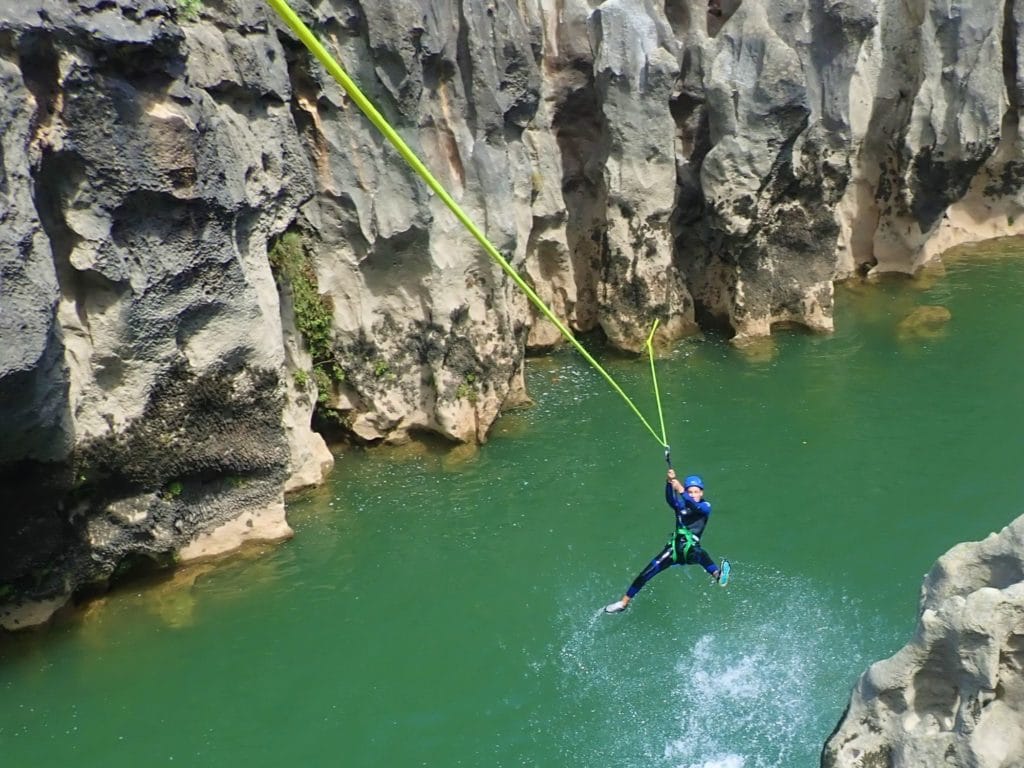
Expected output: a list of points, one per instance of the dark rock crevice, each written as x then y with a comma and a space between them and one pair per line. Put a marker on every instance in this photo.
582, 136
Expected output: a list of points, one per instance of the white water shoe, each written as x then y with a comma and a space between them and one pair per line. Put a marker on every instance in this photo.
617, 607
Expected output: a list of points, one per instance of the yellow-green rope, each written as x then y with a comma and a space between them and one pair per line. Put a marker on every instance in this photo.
654, 378
334, 68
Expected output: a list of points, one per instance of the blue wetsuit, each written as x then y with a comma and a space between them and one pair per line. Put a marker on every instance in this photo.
684, 547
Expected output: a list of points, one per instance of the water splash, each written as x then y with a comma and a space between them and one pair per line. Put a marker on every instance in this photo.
741, 688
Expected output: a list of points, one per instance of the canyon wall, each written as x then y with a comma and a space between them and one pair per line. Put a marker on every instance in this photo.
206, 246
954, 695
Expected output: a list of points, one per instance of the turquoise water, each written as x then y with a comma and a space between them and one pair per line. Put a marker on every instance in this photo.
442, 608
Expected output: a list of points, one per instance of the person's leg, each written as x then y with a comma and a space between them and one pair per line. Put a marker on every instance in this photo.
702, 558
657, 565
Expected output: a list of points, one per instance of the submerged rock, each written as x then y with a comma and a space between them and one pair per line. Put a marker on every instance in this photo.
927, 322
954, 695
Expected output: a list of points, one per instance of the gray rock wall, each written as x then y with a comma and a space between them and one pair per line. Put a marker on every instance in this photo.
954, 695
633, 160
144, 412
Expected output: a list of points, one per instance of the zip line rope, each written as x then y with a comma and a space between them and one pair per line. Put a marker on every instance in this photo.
334, 68
654, 378
657, 395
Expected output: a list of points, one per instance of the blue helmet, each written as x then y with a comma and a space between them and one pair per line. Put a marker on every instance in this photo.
693, 480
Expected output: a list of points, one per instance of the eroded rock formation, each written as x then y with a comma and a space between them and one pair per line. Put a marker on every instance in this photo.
144, 397
954, 695
699, 164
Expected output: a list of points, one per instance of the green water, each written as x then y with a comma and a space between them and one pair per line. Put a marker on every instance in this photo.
444, 609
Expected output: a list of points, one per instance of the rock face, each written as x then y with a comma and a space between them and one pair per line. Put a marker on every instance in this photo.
145, 166
633, 160
954, 695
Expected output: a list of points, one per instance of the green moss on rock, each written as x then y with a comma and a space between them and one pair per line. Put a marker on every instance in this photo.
293, 269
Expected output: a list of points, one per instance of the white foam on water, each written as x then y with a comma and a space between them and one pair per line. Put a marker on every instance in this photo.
747, 693
729, 761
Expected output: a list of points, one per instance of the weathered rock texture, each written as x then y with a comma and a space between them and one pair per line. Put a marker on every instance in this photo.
633, 159
954, 695
142, 398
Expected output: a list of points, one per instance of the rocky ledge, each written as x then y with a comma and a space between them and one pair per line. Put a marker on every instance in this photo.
954, 695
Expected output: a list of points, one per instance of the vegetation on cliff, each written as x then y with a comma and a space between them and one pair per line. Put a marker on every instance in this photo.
293, 270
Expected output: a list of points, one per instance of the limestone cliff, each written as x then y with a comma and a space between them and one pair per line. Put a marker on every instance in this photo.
954, 695
203, 240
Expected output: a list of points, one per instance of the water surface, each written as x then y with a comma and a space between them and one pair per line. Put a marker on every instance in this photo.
443, 608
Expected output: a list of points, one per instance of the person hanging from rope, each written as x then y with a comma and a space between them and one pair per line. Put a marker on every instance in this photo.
683, 548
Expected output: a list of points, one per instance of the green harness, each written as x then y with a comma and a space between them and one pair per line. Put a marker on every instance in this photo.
689, 542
